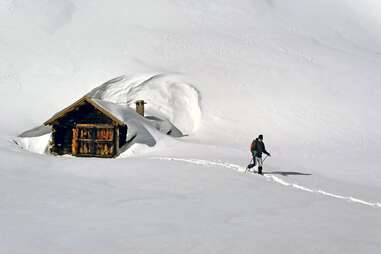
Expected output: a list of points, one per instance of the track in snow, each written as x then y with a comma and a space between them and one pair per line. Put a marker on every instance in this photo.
275, 179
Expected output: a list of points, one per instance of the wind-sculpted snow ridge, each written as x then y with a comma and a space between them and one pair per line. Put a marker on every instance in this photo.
275, 179
166, 96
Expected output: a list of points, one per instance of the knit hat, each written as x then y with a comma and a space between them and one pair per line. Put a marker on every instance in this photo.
260, 136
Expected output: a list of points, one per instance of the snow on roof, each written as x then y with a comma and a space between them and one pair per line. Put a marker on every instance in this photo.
123, 114
168, 97
126, 114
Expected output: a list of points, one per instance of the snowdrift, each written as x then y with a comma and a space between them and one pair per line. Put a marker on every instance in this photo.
166, 96
174, 109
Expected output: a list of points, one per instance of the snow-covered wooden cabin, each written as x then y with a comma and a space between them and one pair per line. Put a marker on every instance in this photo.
91, 128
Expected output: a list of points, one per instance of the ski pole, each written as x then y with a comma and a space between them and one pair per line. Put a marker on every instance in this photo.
265, 158
247, 168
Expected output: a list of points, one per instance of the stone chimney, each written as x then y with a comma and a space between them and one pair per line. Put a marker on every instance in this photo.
140, 107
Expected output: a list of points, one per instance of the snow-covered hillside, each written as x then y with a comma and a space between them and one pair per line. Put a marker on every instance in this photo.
303, 73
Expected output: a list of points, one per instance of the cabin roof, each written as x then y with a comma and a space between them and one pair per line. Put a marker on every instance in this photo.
118, 113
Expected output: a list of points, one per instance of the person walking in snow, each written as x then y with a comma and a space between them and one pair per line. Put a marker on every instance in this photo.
257, 149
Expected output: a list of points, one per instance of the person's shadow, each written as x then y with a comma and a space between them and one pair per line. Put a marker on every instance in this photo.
286, 173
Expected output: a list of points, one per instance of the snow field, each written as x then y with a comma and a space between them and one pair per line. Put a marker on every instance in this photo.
274, 179
303, 73
97, 205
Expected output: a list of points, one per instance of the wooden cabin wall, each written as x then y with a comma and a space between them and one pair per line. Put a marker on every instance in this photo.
96, 140
85, 114
62, 140
62, 129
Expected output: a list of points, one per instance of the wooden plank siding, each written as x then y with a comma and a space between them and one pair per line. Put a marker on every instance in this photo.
94, 140
87, 132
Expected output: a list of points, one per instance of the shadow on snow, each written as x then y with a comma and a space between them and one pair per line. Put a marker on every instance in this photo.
286, 173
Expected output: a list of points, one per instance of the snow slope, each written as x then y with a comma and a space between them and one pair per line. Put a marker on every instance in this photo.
303, 73
166, 96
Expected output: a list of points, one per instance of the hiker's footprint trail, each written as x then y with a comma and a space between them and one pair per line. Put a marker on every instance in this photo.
275, 179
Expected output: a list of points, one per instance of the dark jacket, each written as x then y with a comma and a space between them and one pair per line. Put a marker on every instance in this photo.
259, 148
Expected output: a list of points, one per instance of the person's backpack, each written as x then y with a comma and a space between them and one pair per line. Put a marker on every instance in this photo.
253, 145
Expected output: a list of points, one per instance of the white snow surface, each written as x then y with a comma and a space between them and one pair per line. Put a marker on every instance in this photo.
38, 144
138, 126
166, 96
305, 74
